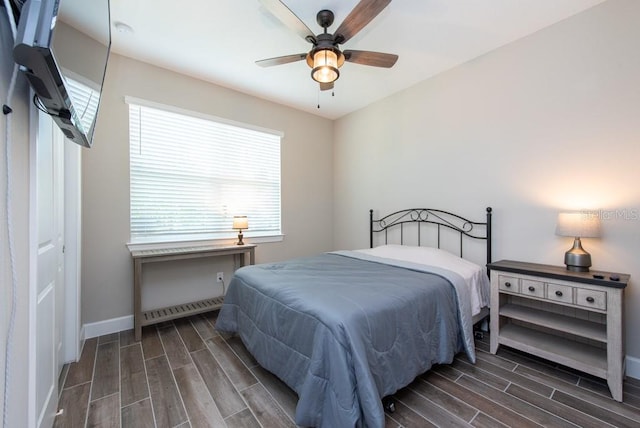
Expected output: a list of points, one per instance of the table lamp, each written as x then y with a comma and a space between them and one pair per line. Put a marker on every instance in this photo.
240, 222
579, 225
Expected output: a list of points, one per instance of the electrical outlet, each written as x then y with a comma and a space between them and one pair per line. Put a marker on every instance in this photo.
220, 277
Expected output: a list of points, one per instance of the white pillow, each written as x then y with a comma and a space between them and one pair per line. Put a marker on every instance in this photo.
474, 275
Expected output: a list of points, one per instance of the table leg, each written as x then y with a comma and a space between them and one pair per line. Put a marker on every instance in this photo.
137, 303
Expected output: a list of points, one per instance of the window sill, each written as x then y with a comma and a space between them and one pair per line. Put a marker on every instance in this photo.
147, 244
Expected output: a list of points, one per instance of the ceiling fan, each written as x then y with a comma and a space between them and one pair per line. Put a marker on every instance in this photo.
325, 58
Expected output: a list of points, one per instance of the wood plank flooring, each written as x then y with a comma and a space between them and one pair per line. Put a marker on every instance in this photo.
184, 374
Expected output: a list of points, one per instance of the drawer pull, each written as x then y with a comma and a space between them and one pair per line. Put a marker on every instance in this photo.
507, 284
532, 288
559, 293
590, 299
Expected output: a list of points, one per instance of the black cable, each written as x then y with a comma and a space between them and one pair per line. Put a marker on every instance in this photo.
39, 105
64, 113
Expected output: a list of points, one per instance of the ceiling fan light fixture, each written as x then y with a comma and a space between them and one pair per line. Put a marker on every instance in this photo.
325, 66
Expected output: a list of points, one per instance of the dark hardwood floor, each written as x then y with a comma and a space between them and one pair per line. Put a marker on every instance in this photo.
184, 374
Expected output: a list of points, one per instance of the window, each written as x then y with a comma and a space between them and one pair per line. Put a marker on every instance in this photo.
190, 175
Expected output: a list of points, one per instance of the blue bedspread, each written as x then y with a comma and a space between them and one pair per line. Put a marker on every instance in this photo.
344, 330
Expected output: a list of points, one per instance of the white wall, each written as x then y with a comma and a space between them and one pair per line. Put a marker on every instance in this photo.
547, 123
19, 144
307, 192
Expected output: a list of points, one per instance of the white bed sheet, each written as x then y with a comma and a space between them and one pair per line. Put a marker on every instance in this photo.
474, 275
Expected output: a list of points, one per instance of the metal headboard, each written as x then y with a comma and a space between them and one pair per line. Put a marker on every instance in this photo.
439, 218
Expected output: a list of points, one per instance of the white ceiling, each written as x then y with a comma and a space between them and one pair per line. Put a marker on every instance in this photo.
220, 40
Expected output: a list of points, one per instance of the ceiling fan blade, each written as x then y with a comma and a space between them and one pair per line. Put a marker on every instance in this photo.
359, 17
288, 18
326, 86
375, 59
281, 60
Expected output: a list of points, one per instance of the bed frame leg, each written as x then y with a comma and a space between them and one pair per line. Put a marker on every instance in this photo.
389, 404
480, 328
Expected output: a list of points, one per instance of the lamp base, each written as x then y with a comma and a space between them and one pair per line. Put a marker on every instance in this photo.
577, 259
240, 242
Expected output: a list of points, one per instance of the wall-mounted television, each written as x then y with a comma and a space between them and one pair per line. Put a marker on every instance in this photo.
62, 47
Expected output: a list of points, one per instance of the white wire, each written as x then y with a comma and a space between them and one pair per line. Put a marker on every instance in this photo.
12, 261
14, 285
12, 22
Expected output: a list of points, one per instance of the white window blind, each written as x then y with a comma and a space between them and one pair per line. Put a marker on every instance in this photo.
190, 176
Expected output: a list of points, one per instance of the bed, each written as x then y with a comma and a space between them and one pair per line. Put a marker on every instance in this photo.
345, 329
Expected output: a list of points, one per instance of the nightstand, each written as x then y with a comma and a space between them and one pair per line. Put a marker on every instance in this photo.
572, 318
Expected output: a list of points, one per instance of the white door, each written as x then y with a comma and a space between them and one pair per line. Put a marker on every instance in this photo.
49, 293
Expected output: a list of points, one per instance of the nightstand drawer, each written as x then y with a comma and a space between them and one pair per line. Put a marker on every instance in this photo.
591, 298
560, 293
529, 287
509, 283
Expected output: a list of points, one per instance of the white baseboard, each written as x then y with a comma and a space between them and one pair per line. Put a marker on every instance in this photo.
82, 341
101, 328
633, 367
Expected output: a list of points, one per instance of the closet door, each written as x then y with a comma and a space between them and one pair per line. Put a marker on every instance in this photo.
49, 293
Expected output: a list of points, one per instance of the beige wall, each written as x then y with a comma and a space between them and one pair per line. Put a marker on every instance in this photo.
19, 143
307, 193
547, 123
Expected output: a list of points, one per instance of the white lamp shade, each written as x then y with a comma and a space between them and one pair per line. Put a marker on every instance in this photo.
240, 222
578, 224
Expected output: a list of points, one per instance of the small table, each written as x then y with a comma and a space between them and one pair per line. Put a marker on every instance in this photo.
572, 318
154, 316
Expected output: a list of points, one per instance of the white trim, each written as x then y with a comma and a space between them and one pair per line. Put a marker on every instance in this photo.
113, 325
145, 103
33, 265
633, 367
262, 239
138, 246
